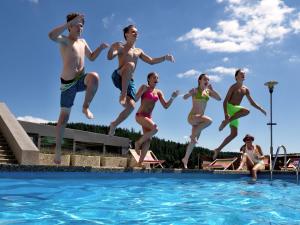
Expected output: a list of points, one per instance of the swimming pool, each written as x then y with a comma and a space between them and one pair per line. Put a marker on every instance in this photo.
141, 198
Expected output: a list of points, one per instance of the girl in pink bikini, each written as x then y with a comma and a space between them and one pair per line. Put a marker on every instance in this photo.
149, 96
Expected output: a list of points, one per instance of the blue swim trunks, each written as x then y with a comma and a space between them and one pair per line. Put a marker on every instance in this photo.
69, 88
117, 80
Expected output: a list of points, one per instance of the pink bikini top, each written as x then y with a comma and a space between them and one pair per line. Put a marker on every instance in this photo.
149, 95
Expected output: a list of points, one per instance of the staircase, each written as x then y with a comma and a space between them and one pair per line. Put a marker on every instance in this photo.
6, 155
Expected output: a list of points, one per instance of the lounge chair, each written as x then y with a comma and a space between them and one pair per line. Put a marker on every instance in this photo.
150, 159
205, 164
222, 164
291, 164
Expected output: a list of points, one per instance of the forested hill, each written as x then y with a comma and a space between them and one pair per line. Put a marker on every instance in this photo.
168, 150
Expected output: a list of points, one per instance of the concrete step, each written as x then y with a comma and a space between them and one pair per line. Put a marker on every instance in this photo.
8, 161
3, 143
5, 151
3, 156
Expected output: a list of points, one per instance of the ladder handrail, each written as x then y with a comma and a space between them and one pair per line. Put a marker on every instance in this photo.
276, 156
297, 171
298, 164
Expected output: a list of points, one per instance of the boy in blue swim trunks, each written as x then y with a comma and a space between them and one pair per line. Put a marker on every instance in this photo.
232, 109
122, 77
73, 77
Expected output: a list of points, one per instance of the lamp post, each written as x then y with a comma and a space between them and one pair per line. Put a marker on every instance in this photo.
270, 85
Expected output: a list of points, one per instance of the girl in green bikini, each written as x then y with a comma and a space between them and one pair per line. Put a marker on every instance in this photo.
196, 118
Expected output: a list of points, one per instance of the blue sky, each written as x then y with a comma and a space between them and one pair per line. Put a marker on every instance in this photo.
209, 36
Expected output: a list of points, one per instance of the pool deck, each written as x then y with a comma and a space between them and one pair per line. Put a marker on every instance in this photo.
43, 168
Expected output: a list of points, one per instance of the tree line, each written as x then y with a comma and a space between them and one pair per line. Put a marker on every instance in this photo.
170, 151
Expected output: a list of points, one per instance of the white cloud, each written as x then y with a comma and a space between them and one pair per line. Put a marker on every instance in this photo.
294, 59
215, 78
250, 25
223, 70
225, 59
295, 24
108, 20
33, 119
189, 73
215, 74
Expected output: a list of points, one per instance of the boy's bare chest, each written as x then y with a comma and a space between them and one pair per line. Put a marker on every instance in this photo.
239, 92
130, 53
76, 48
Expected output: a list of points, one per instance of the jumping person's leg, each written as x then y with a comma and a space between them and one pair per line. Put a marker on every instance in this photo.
198, 122
145, 147
202, 122
60, 129
149, 130
235, 112
228, 139
91, 82
129, 107
126, 73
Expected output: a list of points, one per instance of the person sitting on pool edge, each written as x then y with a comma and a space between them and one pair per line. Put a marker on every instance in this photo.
252, 156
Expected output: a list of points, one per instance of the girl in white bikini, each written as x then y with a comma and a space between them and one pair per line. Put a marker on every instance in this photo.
252, 156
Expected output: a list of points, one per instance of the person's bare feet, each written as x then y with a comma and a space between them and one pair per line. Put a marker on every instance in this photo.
223, 124
216, 152
184, 163
122, 99
141, 165
112, 129
57, 160
88, 113
240, 168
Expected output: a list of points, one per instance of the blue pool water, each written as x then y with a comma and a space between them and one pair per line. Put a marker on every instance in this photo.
137, 198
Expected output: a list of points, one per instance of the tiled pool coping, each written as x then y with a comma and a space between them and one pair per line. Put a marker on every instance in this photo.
43, 168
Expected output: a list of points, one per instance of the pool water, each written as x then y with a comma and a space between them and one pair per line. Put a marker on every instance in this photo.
136, 198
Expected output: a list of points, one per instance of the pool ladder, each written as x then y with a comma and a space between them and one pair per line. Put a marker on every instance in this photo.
297, 171
285, 163
276, 156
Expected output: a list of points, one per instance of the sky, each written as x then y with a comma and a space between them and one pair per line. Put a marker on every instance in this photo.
208, 36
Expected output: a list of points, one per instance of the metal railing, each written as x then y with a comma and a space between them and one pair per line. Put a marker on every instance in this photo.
276, 156
297, 171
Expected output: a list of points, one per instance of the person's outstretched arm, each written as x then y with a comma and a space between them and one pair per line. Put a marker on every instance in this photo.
189, 94
113, 50
93, 55
253, 103
166, 104
152, 61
